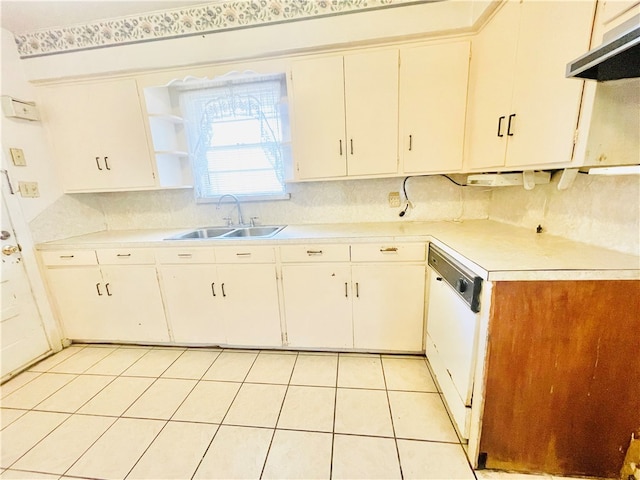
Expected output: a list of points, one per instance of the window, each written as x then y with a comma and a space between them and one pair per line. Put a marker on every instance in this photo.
237, 130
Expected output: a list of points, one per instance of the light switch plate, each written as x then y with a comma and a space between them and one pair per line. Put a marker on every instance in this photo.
29, 189
17, 155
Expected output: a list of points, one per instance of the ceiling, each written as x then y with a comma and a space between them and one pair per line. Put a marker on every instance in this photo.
21, 16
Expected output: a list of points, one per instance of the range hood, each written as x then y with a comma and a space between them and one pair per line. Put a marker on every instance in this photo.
618, 56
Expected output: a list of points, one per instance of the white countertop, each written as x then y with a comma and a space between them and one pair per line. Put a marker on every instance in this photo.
494, 250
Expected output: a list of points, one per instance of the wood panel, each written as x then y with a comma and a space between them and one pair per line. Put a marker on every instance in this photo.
563, 376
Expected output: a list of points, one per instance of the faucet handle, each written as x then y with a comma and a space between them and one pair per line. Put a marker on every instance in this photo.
252, 221
227, 220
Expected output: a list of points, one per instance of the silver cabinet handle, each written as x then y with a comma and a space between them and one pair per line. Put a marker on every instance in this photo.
340, 147
247, 254
106, 287
66, 256
98, 163
223, 292
314, 252
357, 290
184, 255
346, 290
389, 250
106, 163
410, 142
123, 255
351, 142
98, 289
213, 288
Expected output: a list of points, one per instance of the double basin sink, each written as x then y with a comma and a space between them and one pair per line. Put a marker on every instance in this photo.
228, 232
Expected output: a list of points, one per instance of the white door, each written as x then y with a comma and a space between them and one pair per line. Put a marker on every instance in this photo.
250, 304
371, 105
388, 307
22, 332
317, 303
193, 295
319, 126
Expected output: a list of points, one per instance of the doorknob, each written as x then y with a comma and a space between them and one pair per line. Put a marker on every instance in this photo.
10, 249
4, 235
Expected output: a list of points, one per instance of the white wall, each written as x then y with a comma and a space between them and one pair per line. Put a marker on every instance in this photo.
66, 215
598, 210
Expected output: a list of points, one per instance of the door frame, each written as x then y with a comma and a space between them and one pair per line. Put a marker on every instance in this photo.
31, 265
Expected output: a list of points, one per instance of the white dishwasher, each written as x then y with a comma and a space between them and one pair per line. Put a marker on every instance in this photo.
452, 333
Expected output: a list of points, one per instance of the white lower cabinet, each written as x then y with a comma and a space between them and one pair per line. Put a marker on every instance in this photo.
190, 296
367, 306
109, 303
250, 305
216, 303
388, 307
318, 305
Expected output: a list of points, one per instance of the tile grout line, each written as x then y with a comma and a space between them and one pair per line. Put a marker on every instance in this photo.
120, 416
206, 450
70, 414
393, 427
174, 412
264, 465
335, 408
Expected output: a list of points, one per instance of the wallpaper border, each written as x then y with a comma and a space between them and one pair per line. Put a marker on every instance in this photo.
182, 22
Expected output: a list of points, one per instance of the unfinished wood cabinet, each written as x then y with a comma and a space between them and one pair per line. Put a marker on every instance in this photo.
562, 393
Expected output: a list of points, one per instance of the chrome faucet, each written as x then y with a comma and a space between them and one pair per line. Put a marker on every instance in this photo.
240, 220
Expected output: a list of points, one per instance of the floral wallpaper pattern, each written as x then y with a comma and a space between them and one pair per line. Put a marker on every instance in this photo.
202, 19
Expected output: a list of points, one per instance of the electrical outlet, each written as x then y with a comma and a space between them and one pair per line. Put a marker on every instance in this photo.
17, 155
29, 189
394, 199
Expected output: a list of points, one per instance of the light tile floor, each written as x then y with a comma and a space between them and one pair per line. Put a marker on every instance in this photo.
110, 412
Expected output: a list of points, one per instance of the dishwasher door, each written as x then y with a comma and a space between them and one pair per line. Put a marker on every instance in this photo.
453, 329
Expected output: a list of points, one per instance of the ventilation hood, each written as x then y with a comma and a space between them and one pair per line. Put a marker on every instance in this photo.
618, 56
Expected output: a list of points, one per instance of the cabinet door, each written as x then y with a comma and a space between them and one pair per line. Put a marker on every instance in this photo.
491, 79
99, 136
81, 302
545, 103
135, 306
371, 102
250, 305
388, 307
319, 123
192, 296
317, 304
433, 104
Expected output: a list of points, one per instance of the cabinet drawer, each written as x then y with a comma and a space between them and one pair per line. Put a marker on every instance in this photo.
126, 256
185, 255
69, 257
314, 253
245, 255
388, 252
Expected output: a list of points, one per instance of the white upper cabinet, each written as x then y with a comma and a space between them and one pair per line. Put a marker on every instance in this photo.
346, 115
319, 128
99, 136
371, 103
433, 104
523, 112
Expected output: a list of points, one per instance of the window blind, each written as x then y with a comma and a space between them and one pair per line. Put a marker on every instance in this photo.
235, 130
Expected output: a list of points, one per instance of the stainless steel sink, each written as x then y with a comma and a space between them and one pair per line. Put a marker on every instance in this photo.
228, 232
253, 232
